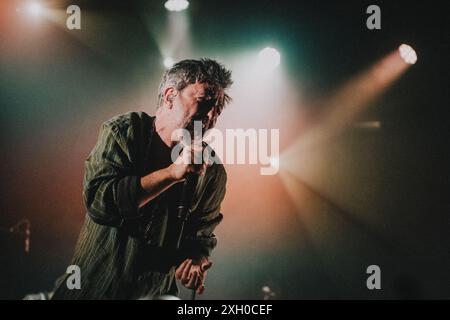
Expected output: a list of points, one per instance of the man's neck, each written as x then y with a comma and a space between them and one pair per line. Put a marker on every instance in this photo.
164, 133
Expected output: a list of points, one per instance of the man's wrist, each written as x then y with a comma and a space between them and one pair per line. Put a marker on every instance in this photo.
170, 174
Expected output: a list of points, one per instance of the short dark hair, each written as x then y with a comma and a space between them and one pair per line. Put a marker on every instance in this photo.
209, 71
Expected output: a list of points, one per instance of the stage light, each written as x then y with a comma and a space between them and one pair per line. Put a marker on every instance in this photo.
168, 62
176, 5
33, 8
408, 54
269, 57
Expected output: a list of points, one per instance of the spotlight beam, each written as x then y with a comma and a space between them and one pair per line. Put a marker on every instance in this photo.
315, 255
314, 196
343, 106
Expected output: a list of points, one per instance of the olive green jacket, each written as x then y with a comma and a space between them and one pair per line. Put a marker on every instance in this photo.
126, 252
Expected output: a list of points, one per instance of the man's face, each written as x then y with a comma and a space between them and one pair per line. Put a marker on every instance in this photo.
195, 102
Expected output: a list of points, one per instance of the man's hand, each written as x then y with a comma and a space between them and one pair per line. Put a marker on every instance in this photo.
185, 163
192, 273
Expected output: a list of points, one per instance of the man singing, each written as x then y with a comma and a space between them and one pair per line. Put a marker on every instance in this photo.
131, 191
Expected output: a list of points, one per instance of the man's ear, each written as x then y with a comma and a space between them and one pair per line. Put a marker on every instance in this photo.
169, 96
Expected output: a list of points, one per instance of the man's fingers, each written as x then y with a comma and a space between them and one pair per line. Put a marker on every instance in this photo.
201, 289
180, 269
201, 283
206, 265
193, 276
186, 272
192, 281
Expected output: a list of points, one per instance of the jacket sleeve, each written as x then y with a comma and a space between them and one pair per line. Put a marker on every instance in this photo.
201, 239
110, 189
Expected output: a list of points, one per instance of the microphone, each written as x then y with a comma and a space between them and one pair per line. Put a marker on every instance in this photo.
186, 197
187, 192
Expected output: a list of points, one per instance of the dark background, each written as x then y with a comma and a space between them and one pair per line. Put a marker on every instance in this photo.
56, 90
